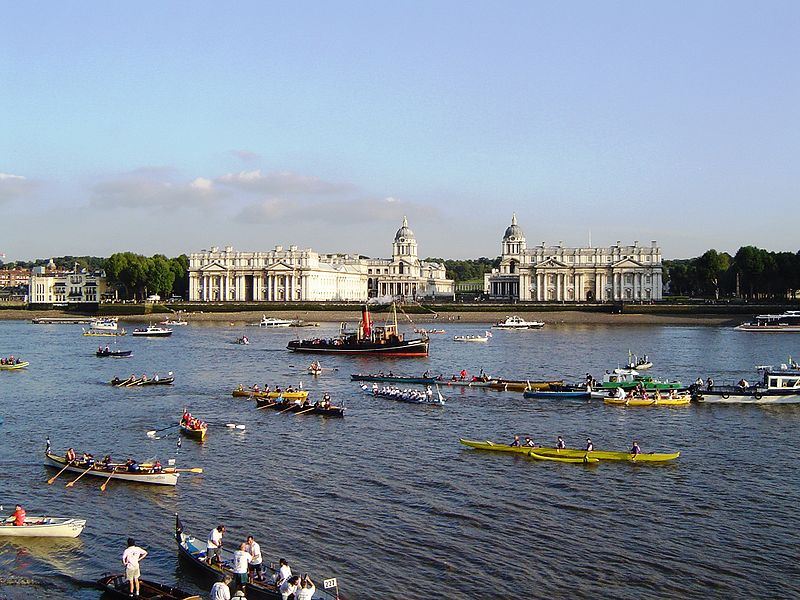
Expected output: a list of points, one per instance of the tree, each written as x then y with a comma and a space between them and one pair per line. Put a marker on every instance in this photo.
158, 275
711, 267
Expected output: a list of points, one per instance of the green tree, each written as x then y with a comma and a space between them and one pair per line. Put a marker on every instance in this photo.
711, 268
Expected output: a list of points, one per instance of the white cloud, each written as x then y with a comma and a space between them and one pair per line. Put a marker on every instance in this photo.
154, 187
281, 183
13, 187
246, 155
334, 212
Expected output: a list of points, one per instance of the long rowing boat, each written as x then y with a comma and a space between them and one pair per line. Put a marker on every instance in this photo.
560, 393
139, 381
306, 409
294, 395
118, 587
43, 527
408, 396
166, 476
574, 452
564, 459
194, 551
681, 400
14, 367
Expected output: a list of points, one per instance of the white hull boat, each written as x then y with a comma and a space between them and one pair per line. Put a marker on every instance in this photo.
472, 338
167, 477
777, 386
272, 322
51, 527
518, 323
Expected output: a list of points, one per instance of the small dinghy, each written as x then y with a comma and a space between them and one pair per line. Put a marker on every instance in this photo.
42, 527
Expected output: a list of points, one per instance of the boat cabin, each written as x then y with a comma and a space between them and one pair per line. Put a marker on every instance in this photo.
785, 378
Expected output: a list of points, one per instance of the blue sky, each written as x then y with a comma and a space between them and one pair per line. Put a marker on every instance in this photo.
173, 126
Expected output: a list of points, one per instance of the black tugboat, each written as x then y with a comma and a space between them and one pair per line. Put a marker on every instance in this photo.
368, 339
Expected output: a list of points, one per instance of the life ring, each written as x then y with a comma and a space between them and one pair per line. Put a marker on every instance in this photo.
726, 396
758, 396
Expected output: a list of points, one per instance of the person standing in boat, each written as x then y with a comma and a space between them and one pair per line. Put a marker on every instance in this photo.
257, 563
130, 558
221, 590
19, 515
283, 574
620, 393
241, 565
214, 544
306, 589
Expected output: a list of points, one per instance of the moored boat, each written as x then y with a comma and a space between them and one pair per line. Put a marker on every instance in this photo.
105, 324
15, 366
679, 400
152, 331
42, 527
288, 395
787, 322
641, 363
515, 322
104, 332
516, 385
272, 322
566, 392
193, 550
118, 587
385, 340
574, 452
631, 378
776, 386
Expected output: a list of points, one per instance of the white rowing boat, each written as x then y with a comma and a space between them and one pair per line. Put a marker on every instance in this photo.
43, 527
167, 476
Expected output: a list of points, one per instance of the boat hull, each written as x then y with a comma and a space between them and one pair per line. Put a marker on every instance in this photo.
118, 587
15, 367
748, 398
197, 434
409, 348
573, 452
114, 354
52, 527
556, 395
333, 411
164, 478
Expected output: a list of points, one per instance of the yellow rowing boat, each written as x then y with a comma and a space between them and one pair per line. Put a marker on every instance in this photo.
682, 400
573, 452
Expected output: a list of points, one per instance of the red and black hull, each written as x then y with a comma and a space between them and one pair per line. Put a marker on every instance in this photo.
404, 348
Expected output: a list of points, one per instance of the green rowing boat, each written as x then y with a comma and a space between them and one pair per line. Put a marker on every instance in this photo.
573, 452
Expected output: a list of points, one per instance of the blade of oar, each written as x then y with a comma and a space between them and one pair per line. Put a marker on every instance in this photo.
105, 484
71, 483
266, 405
192, 470
153, 432
302, 412
54, 477
289, 408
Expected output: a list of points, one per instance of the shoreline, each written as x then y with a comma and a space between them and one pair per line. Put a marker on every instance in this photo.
573, 317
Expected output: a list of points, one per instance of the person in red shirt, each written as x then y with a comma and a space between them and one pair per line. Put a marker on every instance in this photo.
19, 515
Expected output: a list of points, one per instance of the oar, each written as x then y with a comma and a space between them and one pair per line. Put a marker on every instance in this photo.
153, 432
266, 405
290, 407
54, 477
105, 484
71, 483
192, 470
304, 411
234, 426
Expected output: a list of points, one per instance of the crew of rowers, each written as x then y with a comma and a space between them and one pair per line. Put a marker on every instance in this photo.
255, 389
562, 445
639, 392
395, 393
325, 403
191, 422
132, 378
11, 360
87, 461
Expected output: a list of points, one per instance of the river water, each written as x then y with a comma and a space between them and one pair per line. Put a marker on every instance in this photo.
386, 499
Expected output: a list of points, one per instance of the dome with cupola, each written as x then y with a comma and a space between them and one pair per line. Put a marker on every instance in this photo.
404, 233
514, 231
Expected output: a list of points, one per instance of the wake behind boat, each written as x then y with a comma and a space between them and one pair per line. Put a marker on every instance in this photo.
368, 339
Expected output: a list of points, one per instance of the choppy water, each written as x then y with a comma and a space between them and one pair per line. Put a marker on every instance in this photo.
386, 499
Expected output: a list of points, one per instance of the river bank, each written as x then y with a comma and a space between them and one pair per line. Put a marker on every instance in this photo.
572, 317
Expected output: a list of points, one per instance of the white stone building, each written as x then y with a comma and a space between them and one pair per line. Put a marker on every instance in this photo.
294, 275
558, 274
47, 287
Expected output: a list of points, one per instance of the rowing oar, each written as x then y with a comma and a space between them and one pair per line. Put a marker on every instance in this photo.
192, 470
105, 484
302, 412
293, 405
71, 483
266, 405
153, 432
54, 477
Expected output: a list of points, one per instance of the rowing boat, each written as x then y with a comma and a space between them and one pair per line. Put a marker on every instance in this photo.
307, 409
565, 393
408, 396
564, 459
118, 587
167, 475
139, 381
193, 550
103, 332
296, 395
43, 527
516, 385
574, 452
113, 353
14, 367
682, 400
198, 434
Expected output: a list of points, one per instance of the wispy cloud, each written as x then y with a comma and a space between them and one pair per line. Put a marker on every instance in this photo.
13, 187
246, 155
282, 183
154, 187
335, 212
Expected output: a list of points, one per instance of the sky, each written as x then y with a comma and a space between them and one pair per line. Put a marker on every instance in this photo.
171, 127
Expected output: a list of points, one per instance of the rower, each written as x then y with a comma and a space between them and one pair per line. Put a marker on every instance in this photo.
589, 445
560, 444
516, 442
529, 442
620, 393
19, 515
70, 455
636, 450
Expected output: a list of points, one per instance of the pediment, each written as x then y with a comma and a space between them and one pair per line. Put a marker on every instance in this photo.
279, 268
552, 263
213, 267
626, 263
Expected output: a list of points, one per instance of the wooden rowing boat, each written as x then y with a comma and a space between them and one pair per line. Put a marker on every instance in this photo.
167, 475
198, 434
113, 353
296, 395
43, 527
118, 587
308, 409
15, 366
574, 452
681, 400
193, 551
141, 381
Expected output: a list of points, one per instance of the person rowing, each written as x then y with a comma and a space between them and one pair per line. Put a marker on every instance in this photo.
516, 443
19, 515
589, 445
636, 450
70, 455
560, 443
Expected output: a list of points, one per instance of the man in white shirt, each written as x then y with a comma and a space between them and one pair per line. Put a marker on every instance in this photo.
283, 574
289, 587
256, 565
214, 544
241, 561
221, 590
306, 589
130, 558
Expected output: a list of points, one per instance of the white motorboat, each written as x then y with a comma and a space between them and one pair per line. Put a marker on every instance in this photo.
43, 527
776, 386
105, 324
787, 322
273, 322
472, 338
515, 322
153, 331
639, 363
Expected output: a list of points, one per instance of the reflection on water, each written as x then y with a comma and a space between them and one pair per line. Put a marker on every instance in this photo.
386, 499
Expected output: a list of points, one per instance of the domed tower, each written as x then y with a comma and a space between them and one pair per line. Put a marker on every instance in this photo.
514, 239
405, 245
